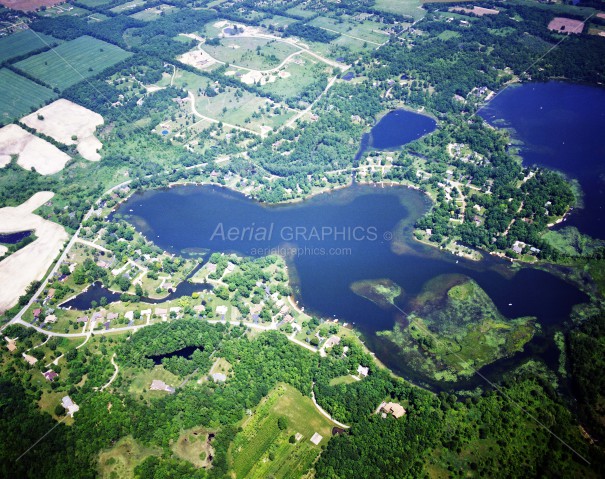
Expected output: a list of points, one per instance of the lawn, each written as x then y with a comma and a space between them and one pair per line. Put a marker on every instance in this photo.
121, 459
24, 42
262, 450
154, 13
254, 53
20, 96
346, 379
72, 62
193, 445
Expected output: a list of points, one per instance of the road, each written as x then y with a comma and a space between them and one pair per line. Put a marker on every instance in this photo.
115, 373
213, 120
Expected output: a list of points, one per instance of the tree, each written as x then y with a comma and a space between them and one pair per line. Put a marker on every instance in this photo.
282, 423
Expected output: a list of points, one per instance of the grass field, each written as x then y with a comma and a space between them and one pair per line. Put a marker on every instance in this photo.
262, 450
20, 96
347, 379
94, 3
154, 13
128, 6
360, 32
73, 61
193, 446
300, 12
402, 7
24, 42
121, 459
254, 53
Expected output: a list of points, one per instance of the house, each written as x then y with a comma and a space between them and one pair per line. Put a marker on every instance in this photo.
316, 439
221, 310
50, 375
70, 406
37, 312
102, 264
332, 341
161, 312
129, 315
158, 385
199, 308
219, 377
230, 267
83, 319
112, 316
51, 318
11, 344
211, 267
30, 359
288, 318
362, 371
98, 316
146, 312
175, 309
393, 408
51, 293
256, 309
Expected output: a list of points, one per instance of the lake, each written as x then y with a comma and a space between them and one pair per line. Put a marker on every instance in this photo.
560, 126
334, 239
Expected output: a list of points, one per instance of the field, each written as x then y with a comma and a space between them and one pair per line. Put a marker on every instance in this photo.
194, 445
121, 459
29, 263
23, 42
154, 13
63, 120
73, 62
128, 6
28, 5
33, 152
347, 379
360, 32
94, 3
262, 450
566, 25
20, 96
253, 53
402, 7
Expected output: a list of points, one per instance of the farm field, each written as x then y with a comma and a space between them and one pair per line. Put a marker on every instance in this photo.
154, 13
366, 31
28, 5
128, 6
73, 61
21, 97
94, 3
300, 12
24, 42
263, 450
254, 53
278, 21
402, 7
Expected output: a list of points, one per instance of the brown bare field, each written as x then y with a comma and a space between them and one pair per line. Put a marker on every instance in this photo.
566, 25
29, 5
34, 152
479, 11
601, 15
29, 263
63, 120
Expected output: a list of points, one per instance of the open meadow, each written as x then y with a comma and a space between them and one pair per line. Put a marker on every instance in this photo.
24, 42
72, 62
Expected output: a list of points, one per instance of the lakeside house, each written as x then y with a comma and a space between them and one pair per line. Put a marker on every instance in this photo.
332, 341
50, 319
199, 308
83, 319
221, 310
112, 316
158, 385
362, 371
70, 406
161, 313
129, 315
393, 408
211, 267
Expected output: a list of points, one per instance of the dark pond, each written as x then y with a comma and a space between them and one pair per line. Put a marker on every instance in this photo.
183, 353
97, 291
334, 239
14, 238
395, 129
560, 126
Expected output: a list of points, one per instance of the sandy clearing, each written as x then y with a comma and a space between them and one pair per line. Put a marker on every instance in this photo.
221, 24
33, 151
29, 263
193, 36
3, 249
198, 59
4, 160
479, 11
566, 25
284, 74
64, 119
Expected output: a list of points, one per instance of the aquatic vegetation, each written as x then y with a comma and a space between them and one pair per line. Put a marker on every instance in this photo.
455, 329
382, 292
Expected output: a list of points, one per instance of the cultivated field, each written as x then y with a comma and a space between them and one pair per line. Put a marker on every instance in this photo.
72, 62
33, 152
63, 120
28, 5
29, 263
24, 42
479, 11
262, 450
20, 96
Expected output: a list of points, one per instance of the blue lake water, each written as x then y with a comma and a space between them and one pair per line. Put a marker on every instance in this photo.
14, 238
561, 126
334, 239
